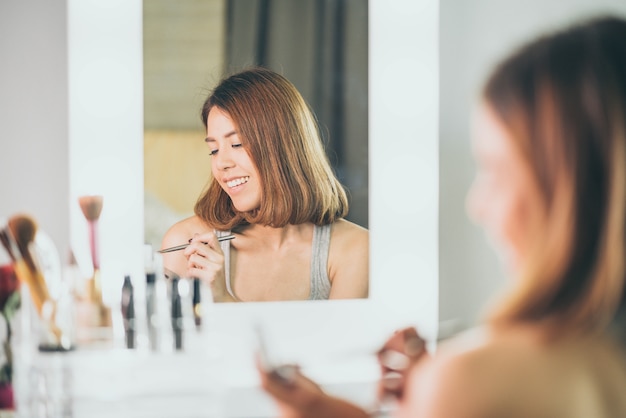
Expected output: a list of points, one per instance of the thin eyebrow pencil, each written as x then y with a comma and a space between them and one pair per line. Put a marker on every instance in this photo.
183, 246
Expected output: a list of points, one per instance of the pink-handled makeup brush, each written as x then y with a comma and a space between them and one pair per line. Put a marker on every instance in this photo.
91, 207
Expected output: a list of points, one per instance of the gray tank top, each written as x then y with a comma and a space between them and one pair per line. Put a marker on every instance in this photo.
320, 283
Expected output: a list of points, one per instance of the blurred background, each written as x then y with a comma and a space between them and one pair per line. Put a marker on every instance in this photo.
473, 35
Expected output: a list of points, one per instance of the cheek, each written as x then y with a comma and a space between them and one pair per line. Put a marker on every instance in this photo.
516, 226
513, 221
500, 212
479, 200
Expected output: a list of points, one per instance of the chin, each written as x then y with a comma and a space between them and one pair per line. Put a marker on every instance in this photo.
243, 208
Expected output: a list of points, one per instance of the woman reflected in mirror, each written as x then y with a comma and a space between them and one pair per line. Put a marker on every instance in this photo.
273, 188
549, 139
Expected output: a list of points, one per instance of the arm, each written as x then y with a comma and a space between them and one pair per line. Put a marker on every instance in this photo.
348, 261
300, 397
451, 386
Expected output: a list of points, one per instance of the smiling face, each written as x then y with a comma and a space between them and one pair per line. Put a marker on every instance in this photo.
231, 165
504, 198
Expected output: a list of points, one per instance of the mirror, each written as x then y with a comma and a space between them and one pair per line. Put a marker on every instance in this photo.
320, 46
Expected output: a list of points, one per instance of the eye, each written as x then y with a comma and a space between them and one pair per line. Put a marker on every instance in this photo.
237, 145
212, 152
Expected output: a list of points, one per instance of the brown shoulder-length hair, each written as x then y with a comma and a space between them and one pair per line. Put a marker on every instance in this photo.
563, 100
280, 133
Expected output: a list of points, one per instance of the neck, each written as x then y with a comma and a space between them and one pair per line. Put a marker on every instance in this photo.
276, 237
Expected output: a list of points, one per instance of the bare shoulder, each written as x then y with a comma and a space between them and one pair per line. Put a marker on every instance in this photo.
492, 373
348, 260
182, 231
475, 369
177, 234
346, 234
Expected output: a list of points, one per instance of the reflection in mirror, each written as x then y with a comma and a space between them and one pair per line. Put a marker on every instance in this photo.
321, 47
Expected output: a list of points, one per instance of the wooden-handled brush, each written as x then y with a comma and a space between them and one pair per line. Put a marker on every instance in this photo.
17, 239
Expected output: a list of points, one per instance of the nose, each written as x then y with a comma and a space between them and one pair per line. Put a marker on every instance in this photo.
223, 159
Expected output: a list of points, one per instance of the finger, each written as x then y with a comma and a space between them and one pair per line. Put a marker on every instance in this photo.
414, 347
208, 238
285, 374
194, 247
405, 341
276, 387
203, 254
206, 268
203, 249
392, 383
394, 360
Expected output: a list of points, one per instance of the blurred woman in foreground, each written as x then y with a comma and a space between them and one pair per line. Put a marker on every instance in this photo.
550, 191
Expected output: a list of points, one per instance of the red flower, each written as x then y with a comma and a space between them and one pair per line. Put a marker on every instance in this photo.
9, 283
6, 396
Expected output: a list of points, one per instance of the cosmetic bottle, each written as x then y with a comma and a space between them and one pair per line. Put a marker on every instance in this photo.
177, 315
158, 304
196, 303
151, 299
128, 313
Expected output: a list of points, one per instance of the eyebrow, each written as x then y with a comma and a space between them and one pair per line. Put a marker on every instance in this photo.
228, 135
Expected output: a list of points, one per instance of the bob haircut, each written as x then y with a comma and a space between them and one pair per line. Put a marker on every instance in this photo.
563, 100
280, 134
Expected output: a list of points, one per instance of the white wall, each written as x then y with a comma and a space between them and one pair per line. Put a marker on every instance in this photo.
106, 134
34, 156
474, 34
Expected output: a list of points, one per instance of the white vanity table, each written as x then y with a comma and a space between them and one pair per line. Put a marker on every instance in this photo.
148, 386
201, 382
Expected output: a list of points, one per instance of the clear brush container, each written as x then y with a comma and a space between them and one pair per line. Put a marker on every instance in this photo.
43, 337
57, 323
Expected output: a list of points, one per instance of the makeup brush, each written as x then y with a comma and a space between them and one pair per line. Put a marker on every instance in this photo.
8, 243
23, 229
92, 207
20, 234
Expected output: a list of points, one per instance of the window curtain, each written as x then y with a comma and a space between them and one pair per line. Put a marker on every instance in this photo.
321, 47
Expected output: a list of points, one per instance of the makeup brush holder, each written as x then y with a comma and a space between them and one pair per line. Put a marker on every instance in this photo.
52, 323
42, 344
42, 376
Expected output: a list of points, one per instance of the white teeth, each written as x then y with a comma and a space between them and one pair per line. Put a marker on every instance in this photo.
237, 182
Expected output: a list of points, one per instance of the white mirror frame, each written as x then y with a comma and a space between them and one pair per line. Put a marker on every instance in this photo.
105, 137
